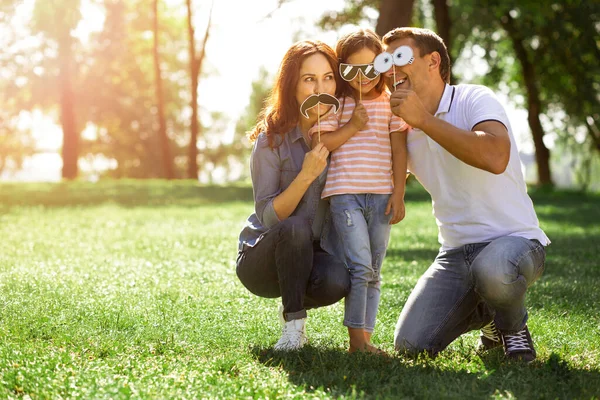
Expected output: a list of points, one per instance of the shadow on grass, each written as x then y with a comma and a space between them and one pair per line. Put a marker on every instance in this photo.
363, 375
573, 208
126, 193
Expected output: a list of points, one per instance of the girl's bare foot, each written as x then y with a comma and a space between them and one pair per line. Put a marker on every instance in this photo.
366, 348
361, 341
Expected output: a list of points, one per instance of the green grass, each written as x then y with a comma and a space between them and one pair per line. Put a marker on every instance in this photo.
128, 290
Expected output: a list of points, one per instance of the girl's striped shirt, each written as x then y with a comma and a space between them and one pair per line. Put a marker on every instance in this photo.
364, 163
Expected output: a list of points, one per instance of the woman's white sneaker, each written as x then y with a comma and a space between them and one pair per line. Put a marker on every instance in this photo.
293, 336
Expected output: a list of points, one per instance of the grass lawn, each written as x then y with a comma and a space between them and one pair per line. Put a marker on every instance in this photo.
128, 290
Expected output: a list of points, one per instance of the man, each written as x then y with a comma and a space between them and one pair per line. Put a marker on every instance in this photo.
462, 150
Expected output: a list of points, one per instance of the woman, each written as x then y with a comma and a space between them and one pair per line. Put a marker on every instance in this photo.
281, 248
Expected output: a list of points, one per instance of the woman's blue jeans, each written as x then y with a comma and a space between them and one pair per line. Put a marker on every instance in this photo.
287, 262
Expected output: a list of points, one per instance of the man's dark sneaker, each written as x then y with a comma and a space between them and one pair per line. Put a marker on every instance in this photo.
519, 346
490, 338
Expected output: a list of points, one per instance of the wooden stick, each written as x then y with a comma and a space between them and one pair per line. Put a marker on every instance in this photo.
359, 87
318, 123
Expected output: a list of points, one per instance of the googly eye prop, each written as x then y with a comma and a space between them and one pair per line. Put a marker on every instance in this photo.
403, 55
313, 101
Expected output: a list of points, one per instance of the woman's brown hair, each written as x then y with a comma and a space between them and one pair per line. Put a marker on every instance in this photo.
281, 111
350, 44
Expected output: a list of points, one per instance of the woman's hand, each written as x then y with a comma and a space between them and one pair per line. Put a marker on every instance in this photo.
359, 117
314, 162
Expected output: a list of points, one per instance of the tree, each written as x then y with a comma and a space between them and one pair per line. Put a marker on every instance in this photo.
393, 14
55, 21
15, 145
534, 106
353, 13
444, 26
160, 101
120, 98
261, 87
555, 45
196, 61
240, 147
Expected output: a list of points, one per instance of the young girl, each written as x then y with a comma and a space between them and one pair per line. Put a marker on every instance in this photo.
367, 142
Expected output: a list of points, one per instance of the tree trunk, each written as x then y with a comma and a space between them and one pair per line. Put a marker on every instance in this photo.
192, 172
195, 69
162, 126
70, 147
534, 107
594, 133
444, 25
394, 14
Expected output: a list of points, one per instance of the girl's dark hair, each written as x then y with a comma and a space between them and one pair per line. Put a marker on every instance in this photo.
350, 44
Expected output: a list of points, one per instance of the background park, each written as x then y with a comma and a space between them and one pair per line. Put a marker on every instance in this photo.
124, 185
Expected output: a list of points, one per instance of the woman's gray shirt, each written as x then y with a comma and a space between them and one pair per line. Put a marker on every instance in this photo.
272, 171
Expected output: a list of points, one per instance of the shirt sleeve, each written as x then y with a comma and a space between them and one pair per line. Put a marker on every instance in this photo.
265, 172
397, 124
483, 105
329, 123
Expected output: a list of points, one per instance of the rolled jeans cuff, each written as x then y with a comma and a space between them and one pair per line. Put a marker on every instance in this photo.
295, 315
354, 325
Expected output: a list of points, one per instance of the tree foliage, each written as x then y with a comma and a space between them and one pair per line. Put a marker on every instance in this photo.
546, 53
104, 87
560, 42
120, 76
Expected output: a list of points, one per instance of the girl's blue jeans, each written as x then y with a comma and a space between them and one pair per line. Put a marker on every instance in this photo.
364, 230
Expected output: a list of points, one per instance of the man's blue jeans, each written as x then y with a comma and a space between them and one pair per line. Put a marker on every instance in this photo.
364, 229
466, 288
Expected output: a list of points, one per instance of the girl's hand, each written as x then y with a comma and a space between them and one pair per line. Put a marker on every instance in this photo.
396, 207
359, 117
314, 162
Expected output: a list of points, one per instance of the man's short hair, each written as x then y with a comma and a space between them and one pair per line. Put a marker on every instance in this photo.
427, 42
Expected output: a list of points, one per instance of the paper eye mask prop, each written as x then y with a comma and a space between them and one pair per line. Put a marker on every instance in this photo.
315, 99
349, 71
402, 55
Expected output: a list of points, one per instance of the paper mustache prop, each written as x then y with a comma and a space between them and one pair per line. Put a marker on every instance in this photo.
403, 55
316, 99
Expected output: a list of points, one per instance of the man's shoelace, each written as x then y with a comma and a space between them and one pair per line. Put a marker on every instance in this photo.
517, 342
490, 332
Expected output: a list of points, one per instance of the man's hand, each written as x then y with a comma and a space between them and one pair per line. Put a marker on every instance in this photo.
407, 105
396, 207
359, 117
314, 162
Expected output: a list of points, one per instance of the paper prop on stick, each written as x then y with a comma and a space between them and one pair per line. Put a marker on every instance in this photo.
403, 55
349, 72
316, 99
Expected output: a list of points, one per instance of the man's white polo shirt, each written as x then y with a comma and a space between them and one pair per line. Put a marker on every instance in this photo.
471, 205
